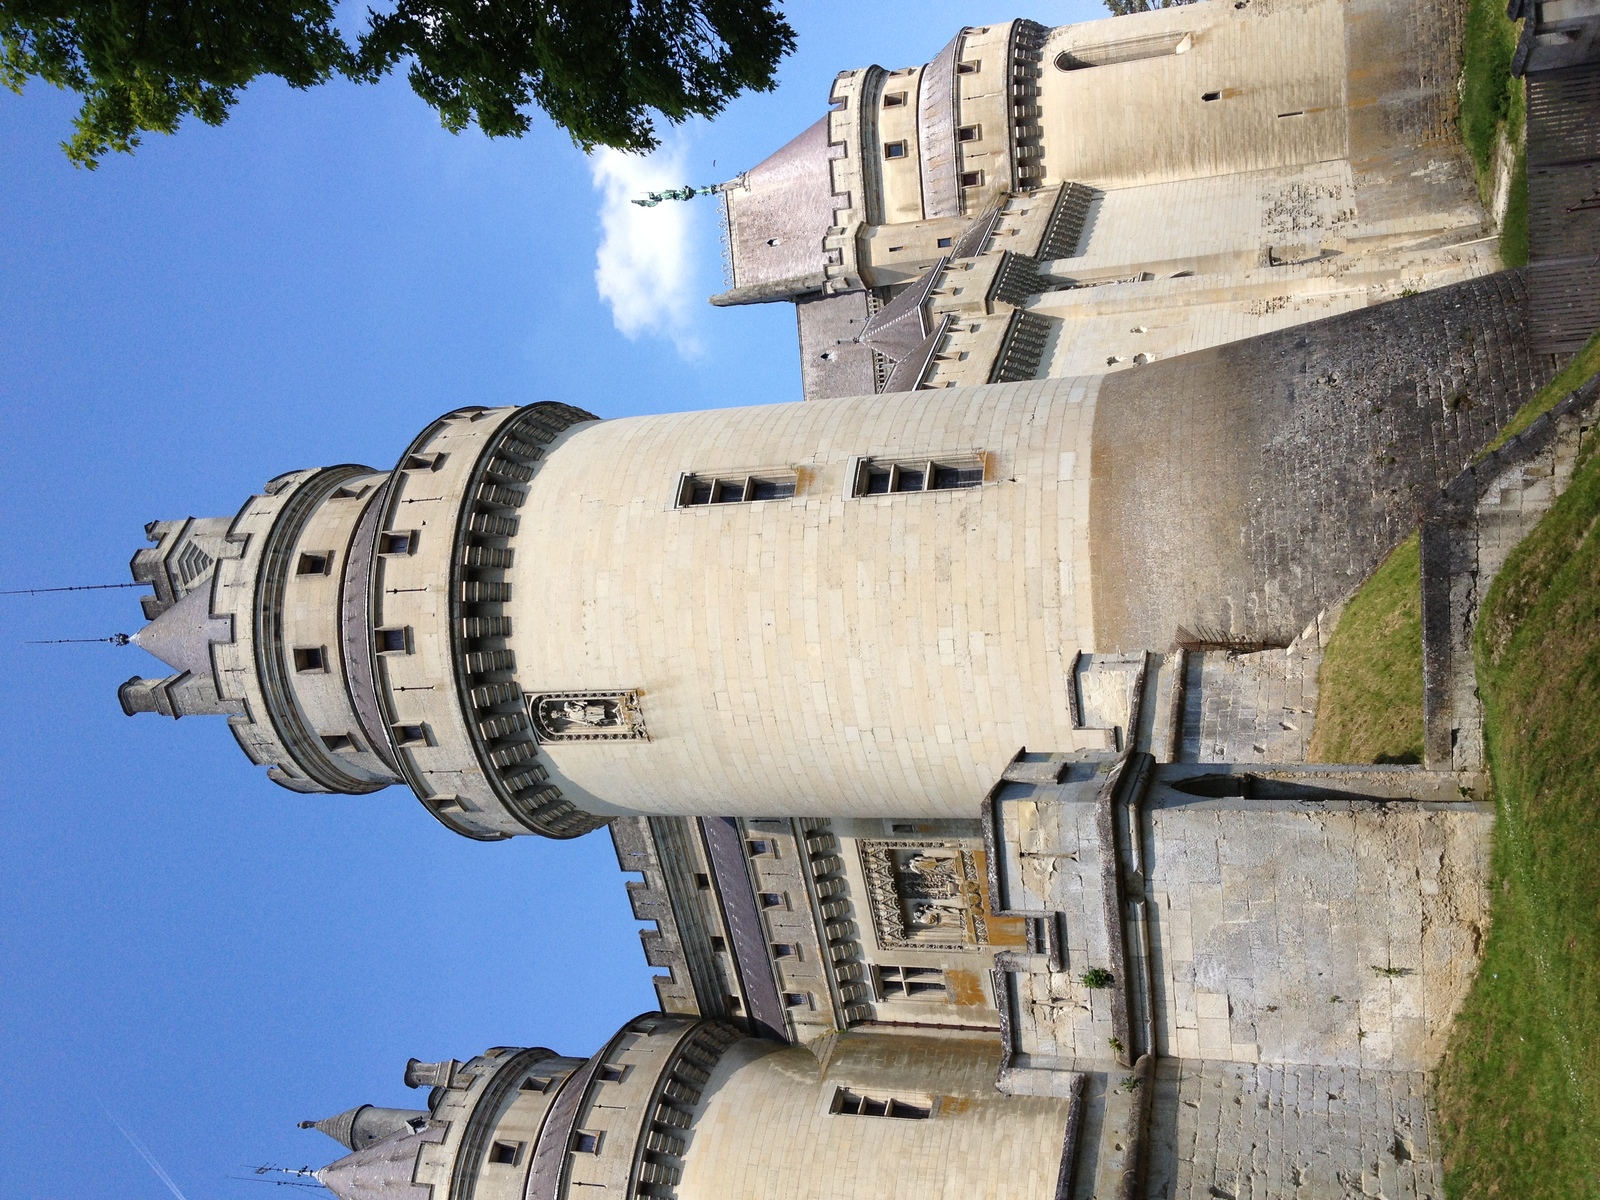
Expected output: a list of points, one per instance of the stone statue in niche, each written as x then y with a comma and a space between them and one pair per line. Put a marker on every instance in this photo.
587, 716
924, 895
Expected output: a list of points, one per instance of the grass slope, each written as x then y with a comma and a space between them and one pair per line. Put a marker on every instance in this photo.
1491, 100
1519, 1098
1369, 706
1369, 691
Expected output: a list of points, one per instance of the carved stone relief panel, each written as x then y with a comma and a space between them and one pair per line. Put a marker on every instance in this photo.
587, 716
925, 895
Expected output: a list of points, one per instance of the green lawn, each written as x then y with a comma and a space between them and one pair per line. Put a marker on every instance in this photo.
1519, 1091
1369, 705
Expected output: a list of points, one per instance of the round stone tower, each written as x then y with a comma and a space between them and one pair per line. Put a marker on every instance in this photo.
692, 1109
854, 607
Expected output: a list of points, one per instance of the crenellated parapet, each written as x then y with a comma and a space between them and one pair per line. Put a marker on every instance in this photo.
445, 648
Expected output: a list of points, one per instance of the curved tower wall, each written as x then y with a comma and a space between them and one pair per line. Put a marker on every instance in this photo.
823, 654
696, 1110
975, 1142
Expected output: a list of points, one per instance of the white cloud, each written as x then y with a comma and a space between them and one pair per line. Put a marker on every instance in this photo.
645, 268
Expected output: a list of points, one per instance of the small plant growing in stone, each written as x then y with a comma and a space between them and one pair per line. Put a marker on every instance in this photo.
1097, 977
1130, 1084
1391, 972
1115, 1043
1333, 999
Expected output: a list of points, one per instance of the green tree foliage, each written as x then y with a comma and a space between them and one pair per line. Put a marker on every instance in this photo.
143, 65
599, 68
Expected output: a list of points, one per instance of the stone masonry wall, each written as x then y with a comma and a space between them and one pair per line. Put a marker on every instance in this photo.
1236, 1131
1239, 491
1326, 932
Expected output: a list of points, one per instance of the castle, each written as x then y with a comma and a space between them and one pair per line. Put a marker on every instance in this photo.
955, 718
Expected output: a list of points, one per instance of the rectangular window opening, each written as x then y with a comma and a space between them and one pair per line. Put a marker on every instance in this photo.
894, 149
771, 489
719, 945
894, 100
969, 68
314, 564
696, 490
310, 658
875, 477
946, 243
772, 899
339, 741
969, 133
797, 999
398, 543
946, 475
702, 881
505, 1153
536, 1083
584, 1142
785, 950
611, 1074
1211, 96
972, 179
411, 735
911, 983
852, 1103
394, 641
756, 847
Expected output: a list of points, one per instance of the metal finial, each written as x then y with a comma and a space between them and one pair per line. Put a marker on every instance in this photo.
684, 193
116, 639
83, 587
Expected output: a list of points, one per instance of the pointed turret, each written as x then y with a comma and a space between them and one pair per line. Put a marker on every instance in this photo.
359, 1127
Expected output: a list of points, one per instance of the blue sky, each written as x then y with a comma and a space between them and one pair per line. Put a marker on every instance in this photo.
184, 946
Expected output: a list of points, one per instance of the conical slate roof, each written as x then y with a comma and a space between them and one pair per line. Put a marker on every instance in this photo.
359, 1127
384, 1169
898, 328
181, 637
